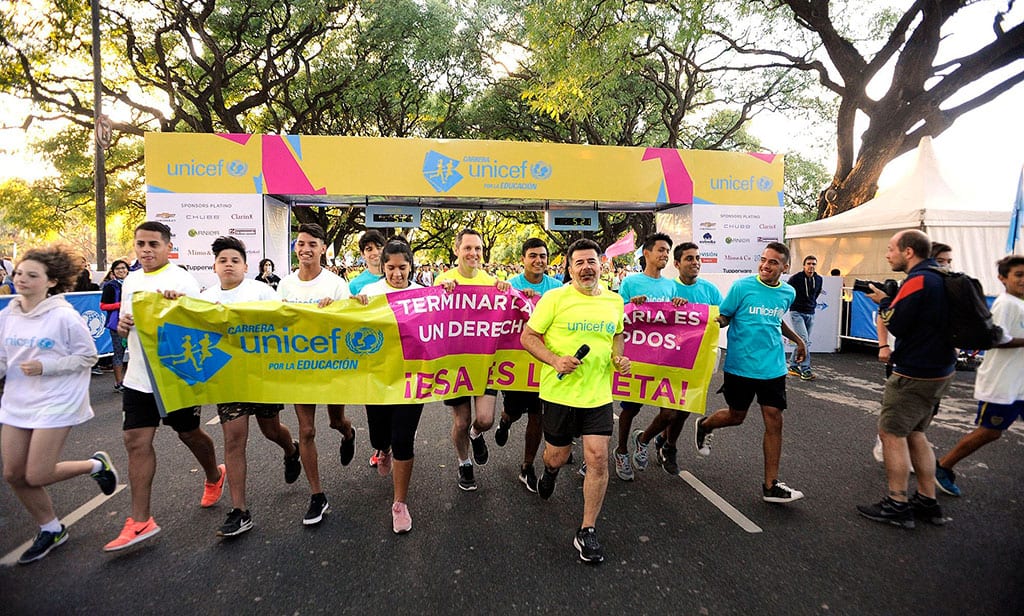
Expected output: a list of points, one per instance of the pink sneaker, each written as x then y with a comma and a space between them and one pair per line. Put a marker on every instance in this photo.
401, 521
212, 491
384, 463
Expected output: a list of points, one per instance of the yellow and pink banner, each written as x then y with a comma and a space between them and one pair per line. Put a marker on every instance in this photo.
421, 345
203, 163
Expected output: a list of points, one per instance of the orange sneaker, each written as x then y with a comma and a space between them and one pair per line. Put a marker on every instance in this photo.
132, 533
212, 491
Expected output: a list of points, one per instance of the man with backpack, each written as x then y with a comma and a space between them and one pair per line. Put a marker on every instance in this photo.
924, 362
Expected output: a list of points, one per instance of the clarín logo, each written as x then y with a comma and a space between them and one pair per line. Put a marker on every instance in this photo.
364, 341
191, 354
441, 171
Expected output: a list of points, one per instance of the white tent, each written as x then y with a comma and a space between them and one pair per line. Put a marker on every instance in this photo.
855, 241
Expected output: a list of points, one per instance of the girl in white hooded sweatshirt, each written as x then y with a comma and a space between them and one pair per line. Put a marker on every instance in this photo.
46, 353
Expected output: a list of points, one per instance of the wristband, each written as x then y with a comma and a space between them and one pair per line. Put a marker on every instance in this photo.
883, 346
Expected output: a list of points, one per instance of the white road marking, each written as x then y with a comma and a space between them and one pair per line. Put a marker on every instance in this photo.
215, 420
68, 520
731, 512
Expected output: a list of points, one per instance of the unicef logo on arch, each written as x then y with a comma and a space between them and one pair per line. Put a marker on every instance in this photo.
444, 172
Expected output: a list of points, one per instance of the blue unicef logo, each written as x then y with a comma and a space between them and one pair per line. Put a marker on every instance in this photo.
45, 343
540, 171
364, 341
237, 168
441, 171
764, 183
610, 328
95, 322
191, 354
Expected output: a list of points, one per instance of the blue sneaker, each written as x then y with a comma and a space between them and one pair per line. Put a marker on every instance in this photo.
946, 480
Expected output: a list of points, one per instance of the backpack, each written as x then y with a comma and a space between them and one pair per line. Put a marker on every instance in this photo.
970, 323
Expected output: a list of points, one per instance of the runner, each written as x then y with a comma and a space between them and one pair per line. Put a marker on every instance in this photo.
370, 245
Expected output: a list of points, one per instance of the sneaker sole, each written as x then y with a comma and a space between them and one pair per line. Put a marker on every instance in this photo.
241, 529
318, 519
945, 491
401, 531
471, 488
137, 539
579, 548
777, 499
907, 524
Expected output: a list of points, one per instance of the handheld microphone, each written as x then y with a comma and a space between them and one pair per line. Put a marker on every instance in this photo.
580, 354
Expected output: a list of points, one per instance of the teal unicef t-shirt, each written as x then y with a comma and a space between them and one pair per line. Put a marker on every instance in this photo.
546, 283
700, 292
658, 289
755, 328
361, 281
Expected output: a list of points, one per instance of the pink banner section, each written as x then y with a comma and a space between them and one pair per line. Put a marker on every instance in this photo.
660, 333
469, 320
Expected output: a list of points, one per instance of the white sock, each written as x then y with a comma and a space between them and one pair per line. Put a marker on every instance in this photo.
53, 526
97, 466
466, 462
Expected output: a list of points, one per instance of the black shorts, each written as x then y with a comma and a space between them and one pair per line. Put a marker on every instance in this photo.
140, 411
562, 423
468, 399
516, 403
233, 410
739, 392
631, 406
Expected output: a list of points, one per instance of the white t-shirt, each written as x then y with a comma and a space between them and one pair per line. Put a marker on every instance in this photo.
249, 291
326, 284
1000, 379
381, 287
55, 335
168, 278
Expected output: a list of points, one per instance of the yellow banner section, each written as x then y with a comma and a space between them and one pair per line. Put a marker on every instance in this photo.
417, 346
452, 169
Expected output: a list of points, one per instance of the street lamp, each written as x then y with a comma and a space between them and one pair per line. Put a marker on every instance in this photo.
102, 127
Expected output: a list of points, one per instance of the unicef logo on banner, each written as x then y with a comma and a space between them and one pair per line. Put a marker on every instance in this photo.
237, 168
764, 183
95, 322
191, 354
364, 341
541, 171
440, 171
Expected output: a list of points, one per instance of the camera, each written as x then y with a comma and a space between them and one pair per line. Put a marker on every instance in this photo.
890, 287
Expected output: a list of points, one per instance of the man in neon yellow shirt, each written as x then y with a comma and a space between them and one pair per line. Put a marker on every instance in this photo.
469, 252
576, 384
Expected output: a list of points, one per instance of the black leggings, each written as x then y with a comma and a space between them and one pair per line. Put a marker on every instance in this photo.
393, 427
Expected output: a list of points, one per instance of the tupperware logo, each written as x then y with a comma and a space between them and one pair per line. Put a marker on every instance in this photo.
191, 354
194, 168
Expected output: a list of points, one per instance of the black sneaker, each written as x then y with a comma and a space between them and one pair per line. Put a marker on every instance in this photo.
659, 441
667, 458
348, 448
45, 542
780, 493
927, 509
501, 434
528, 477
237, 523
317, 508
546, 484
480, 454
106, 477
586, 542
701, 438
292, 465
466, 481
889, 511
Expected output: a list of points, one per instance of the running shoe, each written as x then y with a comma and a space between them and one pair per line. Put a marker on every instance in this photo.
876, 451
622, 466
582, 472
44, 542
106, 477
373, 458
318, 506
640, 457
945, 478
546, 484
889, 512
528, 477
806, 375
237, 523
213, 491
588, 546
780, 493
401, 521
927, 509
501, 434
480, 454
132, 533
701, 438
384, 464
794, 371
667, 458
466, 481
659, 441
292, 465
348, 449
119, 388
97, 371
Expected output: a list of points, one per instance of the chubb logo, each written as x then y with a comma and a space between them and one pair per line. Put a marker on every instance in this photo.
364, 341
441, 171
191, 354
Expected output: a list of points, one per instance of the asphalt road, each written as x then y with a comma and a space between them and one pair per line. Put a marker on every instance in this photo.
670, 550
